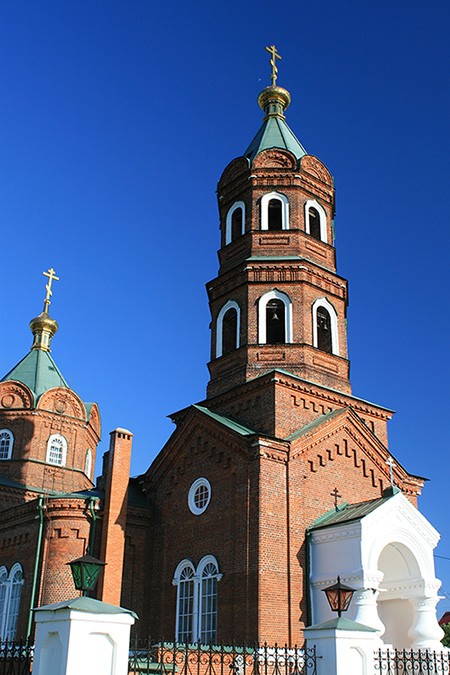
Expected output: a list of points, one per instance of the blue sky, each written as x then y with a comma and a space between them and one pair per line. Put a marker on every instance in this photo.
116, 121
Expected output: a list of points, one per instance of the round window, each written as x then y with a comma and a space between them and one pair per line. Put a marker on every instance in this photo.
199, 496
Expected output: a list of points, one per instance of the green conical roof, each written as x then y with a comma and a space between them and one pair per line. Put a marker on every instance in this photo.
275, 132
38, 372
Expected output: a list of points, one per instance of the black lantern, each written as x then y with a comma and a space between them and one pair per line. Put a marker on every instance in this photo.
339, 596
85, 571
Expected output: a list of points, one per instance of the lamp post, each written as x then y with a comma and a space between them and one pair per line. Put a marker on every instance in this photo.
339, 596
85, 572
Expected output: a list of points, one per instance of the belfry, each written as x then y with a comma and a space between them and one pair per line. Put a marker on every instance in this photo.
281, 455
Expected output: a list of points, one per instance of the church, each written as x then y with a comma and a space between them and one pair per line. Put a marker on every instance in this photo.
276, 483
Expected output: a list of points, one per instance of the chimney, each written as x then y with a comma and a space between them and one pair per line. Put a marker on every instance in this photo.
116, 476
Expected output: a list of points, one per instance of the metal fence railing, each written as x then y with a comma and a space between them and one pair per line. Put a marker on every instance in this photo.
414, 661
16, 657
164, 658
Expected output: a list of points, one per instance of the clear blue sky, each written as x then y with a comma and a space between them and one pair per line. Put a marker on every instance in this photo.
116, 121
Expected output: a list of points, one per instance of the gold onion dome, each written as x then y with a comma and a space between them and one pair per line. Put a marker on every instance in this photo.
274, 100
43, 328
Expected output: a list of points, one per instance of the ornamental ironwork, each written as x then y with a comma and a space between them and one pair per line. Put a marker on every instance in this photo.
414, 661
168, 658
16, 657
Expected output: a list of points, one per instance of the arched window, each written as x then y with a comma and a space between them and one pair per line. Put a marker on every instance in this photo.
10, 594
274, 318
235, 222
314, 223
325, 333
15, 592
316, 220
274, 212
57, 450
229, 325
228, 328
184, 579
275, 322
197, 600
208, 572
324, 341
275, 215
6, 443
88, 463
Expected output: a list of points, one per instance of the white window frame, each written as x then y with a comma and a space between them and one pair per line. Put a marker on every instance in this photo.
88, 463
231, 304
7, 432
323, 302
178, 582
229, 221
200, 482
265, 210
312, 203
10, 609
262, 326
63, 442
198, 588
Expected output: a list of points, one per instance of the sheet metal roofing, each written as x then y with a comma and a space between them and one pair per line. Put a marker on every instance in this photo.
226, 421
38, 372
275, 133
345, 513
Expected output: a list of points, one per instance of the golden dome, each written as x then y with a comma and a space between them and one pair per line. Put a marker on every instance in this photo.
274, 100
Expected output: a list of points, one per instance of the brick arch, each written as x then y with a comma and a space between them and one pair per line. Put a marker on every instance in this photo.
94, 419
315, 168
15, 395
64, 401
275, 158
234, 170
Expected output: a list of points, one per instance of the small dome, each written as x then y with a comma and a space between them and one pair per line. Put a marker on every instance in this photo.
43, 328
274, 100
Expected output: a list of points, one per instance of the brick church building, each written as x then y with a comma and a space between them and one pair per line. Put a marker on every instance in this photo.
222, 538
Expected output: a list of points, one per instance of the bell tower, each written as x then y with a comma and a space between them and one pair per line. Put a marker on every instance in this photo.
277, 302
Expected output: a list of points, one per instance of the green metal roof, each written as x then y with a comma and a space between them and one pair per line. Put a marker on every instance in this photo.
84, 604
275, 133
38, 372
226, 421
340, 623
348, 512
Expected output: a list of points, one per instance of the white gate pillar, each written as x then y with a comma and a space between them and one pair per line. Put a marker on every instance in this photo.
82, 636
343, 647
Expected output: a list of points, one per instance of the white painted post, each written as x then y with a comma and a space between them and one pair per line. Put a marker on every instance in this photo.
82, 636
344, 647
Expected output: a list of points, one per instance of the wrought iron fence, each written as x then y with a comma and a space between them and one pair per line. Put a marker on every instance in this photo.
16, 658
165, 658
416, 661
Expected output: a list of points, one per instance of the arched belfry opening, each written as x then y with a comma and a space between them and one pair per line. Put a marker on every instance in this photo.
275, 215
275, 322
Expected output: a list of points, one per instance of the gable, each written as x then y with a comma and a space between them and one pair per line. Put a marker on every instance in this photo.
200, 433
341, 440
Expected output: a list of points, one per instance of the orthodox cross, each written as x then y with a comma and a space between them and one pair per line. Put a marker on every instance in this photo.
336, 496
273, 62
390, 462
48, 286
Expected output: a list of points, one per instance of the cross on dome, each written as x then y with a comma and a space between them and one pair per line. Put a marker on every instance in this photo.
273, 62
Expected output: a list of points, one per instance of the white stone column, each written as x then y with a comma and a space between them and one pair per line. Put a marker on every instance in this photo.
425, 631
82, 637
344, 647
366, 609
